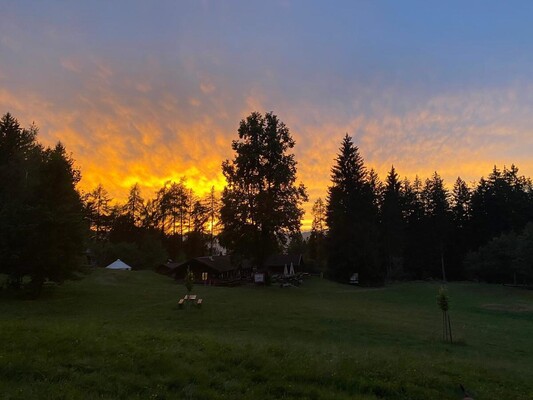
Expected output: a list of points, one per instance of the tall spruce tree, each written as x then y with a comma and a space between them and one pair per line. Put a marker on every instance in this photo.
178, 201
20, 160
460, 229
352, 219
213, 205
42, 228
413, 211
60, 230
134, 206
261, 204
392, 223
461, 195
437, 223
98, 210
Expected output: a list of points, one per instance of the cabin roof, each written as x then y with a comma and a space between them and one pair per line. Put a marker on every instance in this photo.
218, 263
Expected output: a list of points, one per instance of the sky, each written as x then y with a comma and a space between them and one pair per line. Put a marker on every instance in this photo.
149, 91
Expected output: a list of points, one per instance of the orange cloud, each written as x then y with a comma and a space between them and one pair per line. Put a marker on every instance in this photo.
126, 131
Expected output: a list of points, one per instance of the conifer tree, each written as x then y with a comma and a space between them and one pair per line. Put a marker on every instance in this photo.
317, 238
437, 210
134, 205
20, 160
213, 207
60, 230
98, 211
461, 203
392, 223
500, 203
352, 219
416, 239
460, 228
41, 220
376, 188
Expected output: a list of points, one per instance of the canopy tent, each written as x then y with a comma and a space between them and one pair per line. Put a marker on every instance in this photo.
119, 265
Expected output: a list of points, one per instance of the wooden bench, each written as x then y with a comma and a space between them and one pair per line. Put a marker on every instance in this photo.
199, 303
181, 302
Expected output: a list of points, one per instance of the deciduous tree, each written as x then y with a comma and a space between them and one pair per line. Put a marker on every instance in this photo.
261, 204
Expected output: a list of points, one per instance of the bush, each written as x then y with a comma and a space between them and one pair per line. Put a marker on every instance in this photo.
506, 258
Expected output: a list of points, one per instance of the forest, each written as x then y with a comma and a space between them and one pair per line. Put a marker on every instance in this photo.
385, 229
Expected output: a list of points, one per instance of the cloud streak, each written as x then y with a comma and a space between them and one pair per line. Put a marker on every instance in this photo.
165, 103
120, 135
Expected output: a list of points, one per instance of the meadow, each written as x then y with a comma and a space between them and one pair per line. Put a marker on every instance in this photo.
120, 335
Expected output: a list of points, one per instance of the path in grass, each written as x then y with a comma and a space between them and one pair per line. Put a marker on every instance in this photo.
116, 334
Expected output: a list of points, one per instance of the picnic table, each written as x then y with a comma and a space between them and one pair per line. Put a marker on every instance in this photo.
190, 299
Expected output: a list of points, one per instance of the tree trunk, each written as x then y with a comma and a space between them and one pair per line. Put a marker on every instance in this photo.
444, 326
442, 264
450, 329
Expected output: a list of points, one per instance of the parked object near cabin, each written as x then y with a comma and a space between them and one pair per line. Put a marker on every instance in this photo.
119, 265
259, 278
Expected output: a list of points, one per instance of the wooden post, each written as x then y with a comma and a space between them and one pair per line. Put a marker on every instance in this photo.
442, 264
450, 329
444, 325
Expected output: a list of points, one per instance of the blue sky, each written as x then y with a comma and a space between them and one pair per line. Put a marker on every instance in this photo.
149, 91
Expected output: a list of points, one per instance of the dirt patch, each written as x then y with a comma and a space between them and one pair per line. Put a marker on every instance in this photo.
516, 308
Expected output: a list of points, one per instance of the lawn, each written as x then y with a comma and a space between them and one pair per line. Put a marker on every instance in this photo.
120, 335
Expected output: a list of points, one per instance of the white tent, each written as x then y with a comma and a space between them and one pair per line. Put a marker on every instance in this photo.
291, 270
119, 265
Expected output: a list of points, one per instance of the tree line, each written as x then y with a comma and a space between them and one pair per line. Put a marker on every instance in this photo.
175, 224
402, 229
383, 230
50, 229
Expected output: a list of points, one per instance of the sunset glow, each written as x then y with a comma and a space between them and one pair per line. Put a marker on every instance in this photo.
143, 93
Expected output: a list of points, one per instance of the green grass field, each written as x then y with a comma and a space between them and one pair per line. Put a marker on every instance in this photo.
120, 335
